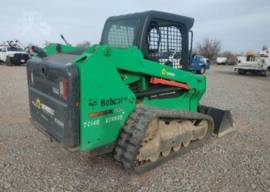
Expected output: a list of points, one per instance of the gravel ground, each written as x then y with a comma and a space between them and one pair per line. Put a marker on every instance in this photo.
238, 162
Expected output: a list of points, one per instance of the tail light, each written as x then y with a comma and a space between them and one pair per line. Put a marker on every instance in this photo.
30, 76
63, 87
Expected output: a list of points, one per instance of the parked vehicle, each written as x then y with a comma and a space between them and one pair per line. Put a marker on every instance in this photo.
13, 54
222, 61
254, 63
199, 64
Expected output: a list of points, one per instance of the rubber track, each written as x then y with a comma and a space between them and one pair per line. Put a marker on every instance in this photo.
134, 131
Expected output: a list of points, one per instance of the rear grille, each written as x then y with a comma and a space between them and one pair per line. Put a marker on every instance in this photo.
53, 96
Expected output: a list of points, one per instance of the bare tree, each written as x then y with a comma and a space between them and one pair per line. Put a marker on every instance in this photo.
84, 44
46, 43
264, 48
209, 48
195, 52
232, 59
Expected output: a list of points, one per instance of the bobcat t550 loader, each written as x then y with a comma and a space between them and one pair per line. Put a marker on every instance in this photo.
132, 94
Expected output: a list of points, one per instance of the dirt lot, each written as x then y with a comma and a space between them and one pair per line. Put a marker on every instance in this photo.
237, 162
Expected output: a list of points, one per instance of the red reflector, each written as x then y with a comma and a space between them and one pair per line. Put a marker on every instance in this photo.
155, 80
63, 86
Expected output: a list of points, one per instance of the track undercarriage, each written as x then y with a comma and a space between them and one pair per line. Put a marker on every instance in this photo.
151, 136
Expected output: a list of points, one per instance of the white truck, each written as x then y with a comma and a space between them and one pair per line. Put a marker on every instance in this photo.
12, 54
222, 60
254, 63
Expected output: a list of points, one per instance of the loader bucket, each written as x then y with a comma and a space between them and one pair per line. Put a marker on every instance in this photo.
223, 122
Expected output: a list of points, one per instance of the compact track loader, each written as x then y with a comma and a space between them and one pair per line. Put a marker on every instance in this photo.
132, 94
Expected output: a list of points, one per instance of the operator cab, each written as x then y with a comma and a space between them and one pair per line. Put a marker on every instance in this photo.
162, 37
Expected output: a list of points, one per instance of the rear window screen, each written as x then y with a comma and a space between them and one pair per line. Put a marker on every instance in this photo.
120, 34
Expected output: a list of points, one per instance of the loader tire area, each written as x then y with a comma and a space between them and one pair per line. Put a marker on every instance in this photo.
151, 136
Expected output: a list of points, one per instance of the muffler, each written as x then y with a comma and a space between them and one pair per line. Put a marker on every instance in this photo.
223, 122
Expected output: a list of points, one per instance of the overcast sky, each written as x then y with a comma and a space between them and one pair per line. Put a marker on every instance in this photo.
239, 24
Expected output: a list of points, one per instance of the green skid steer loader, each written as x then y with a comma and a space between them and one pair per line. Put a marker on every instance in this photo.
132, 94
